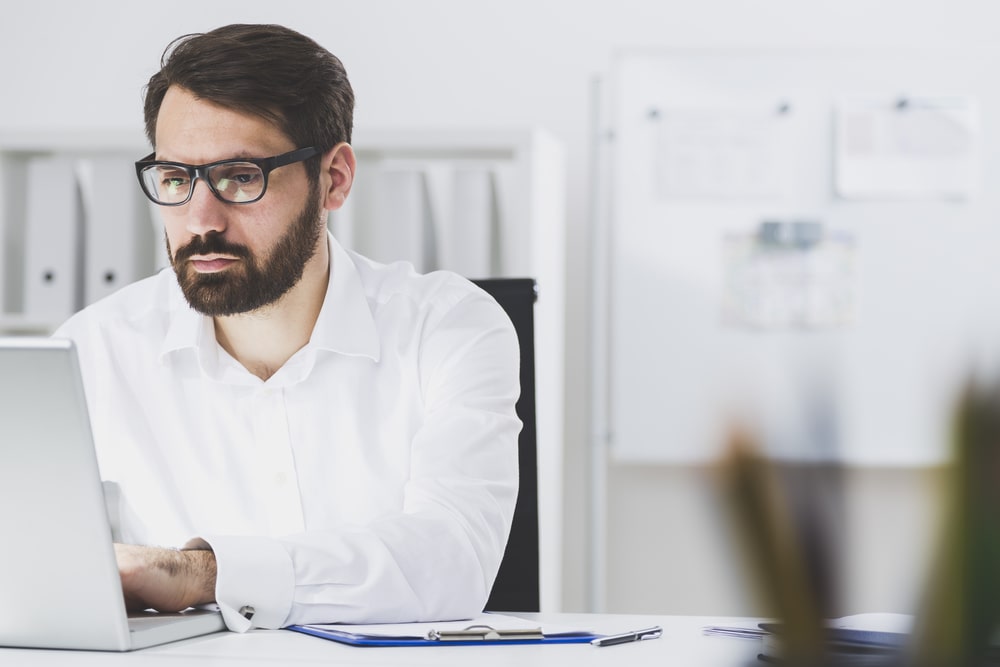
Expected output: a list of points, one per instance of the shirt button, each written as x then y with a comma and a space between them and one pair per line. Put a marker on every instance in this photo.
280, 479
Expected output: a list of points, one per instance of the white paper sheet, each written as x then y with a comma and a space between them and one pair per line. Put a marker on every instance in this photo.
891, 148
722, 153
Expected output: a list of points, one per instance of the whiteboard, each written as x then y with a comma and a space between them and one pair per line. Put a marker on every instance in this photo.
708, 145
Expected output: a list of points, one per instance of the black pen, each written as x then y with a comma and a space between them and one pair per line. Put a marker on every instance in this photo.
633, 636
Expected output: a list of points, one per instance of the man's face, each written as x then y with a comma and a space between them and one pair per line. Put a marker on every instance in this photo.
232, 258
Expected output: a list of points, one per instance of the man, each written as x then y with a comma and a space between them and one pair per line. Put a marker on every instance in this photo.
287, 428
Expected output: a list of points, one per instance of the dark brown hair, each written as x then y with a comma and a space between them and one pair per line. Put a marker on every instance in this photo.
266, 70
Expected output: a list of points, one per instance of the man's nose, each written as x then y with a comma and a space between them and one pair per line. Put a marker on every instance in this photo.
204, 212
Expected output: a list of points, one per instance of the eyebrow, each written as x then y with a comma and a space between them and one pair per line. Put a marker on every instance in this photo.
239, 155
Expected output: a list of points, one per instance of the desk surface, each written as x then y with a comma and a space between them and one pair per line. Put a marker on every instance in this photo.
682, 643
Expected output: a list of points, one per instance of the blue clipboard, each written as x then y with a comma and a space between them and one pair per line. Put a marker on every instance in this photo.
475, 635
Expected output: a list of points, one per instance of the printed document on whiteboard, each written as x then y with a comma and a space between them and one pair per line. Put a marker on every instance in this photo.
907, 148
723, 153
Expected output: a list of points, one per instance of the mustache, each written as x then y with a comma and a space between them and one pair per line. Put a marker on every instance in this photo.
211, 243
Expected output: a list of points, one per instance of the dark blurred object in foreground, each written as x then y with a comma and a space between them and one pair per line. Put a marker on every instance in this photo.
786, 536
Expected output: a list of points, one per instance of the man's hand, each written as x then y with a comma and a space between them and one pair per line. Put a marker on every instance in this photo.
165, 579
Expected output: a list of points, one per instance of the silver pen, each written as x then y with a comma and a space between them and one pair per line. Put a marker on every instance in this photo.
633, 636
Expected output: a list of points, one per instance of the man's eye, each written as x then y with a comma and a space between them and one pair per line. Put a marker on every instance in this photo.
239, 175
246, 178
173, 183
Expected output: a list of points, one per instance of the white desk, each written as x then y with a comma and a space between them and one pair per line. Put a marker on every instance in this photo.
682, 643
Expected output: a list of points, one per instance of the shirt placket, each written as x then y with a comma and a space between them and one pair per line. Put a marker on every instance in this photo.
279, 484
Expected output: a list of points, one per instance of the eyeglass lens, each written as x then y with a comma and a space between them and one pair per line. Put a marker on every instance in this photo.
232, 181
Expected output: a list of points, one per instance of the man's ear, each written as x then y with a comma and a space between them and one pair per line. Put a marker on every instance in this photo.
337, 169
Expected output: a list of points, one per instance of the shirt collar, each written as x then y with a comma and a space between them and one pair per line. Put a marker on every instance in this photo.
345, 324
186, 328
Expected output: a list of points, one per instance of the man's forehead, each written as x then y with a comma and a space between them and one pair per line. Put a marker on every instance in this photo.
189, 129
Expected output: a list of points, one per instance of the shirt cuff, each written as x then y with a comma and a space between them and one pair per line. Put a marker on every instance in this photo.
255, 580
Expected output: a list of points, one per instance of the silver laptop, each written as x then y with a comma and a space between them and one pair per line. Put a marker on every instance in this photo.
59, 584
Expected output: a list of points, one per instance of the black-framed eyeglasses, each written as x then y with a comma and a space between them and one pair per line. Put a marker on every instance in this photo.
235, 181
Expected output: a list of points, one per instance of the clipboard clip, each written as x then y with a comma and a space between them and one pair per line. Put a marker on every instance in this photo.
483, 633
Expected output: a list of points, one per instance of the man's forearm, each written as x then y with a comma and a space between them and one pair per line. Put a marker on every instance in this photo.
165, 579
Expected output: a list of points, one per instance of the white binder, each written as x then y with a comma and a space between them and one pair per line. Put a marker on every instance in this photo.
118, 229
469, 234
53, 285
392, 219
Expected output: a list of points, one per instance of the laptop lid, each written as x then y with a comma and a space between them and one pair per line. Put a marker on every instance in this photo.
59, 583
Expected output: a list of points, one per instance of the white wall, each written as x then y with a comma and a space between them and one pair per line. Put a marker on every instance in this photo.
455, 63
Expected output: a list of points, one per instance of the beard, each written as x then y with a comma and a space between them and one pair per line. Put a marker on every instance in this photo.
254, 282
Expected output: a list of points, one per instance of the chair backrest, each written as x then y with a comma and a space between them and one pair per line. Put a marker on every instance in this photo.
516, 586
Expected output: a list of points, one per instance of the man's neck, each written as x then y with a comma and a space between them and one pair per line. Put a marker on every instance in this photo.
262, 341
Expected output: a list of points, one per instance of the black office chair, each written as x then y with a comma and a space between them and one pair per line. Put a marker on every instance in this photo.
516, 585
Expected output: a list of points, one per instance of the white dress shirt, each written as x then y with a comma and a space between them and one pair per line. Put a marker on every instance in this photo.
372, 478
